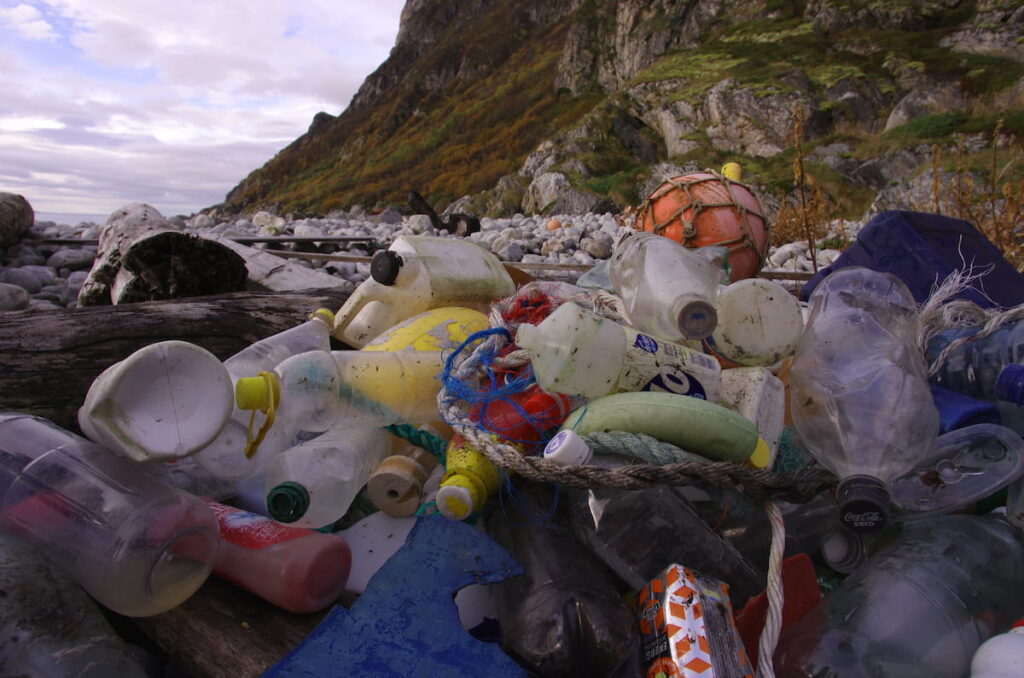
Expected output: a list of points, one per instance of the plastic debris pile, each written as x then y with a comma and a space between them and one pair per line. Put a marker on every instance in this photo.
672, 468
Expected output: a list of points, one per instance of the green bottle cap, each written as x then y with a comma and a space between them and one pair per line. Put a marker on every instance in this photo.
287, 502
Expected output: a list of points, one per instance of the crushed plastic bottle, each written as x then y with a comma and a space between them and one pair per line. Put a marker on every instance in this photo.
138, 546
919, 608
859, 395
989, 368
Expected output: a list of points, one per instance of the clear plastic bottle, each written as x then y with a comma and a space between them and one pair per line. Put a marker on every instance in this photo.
319, 390
565, 616
314, 483
668, 290
50, 626
225, 456
138, 546
858, 391
576, 352
296, 569
919, 608
989, 368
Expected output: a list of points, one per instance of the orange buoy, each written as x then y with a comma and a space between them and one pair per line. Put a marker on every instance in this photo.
708, 208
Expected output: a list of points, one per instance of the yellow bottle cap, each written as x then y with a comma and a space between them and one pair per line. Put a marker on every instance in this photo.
324, 314
761, 455
252, 393
732, 171
458, 497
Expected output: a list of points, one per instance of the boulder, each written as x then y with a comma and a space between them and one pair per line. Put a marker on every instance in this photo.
16, 217
12, 297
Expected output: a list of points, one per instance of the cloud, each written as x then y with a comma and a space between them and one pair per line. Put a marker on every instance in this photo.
28, 21
170, 103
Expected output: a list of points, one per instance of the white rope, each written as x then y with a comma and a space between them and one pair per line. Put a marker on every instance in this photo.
773, 619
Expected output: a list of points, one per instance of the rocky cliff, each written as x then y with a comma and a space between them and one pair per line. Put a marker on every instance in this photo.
503, 106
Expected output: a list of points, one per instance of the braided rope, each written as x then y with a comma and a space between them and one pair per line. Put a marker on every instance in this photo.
773, 620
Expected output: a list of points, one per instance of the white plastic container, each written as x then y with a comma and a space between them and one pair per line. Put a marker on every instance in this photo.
759, 396
225, 456
320, 390
759, 322
1001, 656
313, 484
165, 401
577, 352
416, 274
668, 290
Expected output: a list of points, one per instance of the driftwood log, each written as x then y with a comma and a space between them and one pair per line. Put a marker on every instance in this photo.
48, 360
143, 257
269, 272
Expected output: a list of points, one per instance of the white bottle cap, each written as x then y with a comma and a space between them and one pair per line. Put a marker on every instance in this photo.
454, 502
568, 449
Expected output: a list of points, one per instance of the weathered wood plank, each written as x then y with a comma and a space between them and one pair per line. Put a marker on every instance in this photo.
48, 360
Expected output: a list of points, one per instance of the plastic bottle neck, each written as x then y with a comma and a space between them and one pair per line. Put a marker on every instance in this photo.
288, 502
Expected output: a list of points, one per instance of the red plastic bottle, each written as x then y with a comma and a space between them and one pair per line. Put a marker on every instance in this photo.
296, 569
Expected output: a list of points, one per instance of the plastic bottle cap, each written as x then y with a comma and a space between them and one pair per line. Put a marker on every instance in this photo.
455, 498
287, 502
385, 267
1010, 384
252, 393
324, 314
863, 503
568, 449
761, 455
697, 320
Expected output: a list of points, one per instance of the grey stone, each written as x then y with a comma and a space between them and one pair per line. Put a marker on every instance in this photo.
12, 297
57, 293
74, 259
203, 221
16, 218
26, 279
266, 220
390, 216
598, 246
76, 280
936, 99
420, 223
514, 251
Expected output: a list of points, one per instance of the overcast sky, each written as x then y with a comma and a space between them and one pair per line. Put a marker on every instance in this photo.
170, 102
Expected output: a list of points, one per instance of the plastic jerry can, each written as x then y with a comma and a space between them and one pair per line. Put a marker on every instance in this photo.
416, 274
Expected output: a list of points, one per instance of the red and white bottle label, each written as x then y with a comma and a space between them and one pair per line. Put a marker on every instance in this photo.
252, 530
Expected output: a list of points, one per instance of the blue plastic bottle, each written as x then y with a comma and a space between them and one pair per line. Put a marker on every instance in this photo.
989, 368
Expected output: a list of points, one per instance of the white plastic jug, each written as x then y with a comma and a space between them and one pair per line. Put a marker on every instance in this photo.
759, 396
165, 401
416, 274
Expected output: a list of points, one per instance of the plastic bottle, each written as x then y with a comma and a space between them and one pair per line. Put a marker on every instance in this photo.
1001, 656
50, 626
564, 617
138, 546
859, 396
440, 329
919, 608
759, 396
415, 274
576, 352
630, 531
225, 457
988, 368
958, 411
668, 290
963, 467
319, 390
314, 484
165, 401
298, 570
469, 480
759, 323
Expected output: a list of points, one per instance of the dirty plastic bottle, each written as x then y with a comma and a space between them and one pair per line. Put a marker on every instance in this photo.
469, 480
958, 411
576, 352
990, 368
564, 617
759, 396
963, 467
858, 391
668, 290
919, 608
415, 274
296, 569
138, 546
314, 483
319, 390
759, 323
1001, 656
225, 456
50, 626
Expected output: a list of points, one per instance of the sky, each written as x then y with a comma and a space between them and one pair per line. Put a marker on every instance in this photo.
170, 103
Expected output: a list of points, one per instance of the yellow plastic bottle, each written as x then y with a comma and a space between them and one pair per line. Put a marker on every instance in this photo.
469, 480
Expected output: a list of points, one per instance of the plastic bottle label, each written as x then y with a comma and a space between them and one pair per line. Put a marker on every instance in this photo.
251, 530
651, 365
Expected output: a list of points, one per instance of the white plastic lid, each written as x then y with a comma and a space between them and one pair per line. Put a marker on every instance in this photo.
568, 449
454, 502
